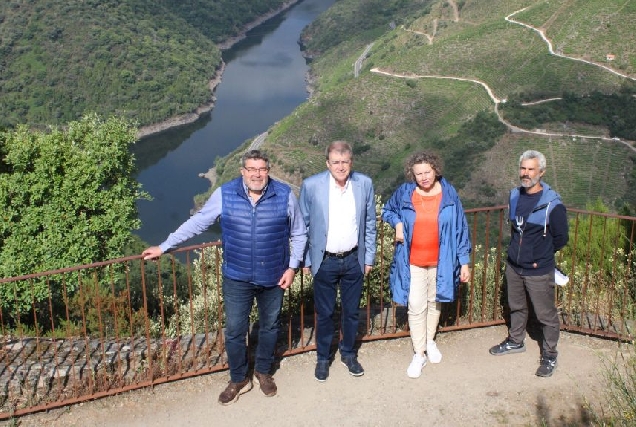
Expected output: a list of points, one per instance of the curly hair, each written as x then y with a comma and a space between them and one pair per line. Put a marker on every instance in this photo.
423, 157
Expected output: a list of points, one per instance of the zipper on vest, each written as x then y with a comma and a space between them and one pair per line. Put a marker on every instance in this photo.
254, 241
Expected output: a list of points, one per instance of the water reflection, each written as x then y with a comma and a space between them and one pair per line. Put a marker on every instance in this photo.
264, 81
254, 37
150, 149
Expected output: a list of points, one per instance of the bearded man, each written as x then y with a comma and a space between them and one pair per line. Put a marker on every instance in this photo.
539, 228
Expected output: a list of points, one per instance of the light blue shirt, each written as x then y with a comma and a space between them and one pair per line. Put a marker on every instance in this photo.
210, 212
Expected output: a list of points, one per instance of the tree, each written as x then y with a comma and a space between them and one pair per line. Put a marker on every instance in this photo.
67, 197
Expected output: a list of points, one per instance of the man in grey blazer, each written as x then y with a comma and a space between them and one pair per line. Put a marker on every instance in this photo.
338, 206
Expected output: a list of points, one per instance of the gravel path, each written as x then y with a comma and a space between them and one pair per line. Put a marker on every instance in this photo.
470, 387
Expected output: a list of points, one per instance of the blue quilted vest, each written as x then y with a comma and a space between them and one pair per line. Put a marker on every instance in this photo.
255, 239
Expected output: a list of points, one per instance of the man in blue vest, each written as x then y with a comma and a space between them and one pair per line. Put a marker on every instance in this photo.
259, 218
539, 228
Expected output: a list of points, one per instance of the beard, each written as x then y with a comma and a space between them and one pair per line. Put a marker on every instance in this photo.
531, 183
257, 186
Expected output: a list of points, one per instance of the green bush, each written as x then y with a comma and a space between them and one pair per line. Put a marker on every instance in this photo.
67, 198
200, 311
486, 304
620, 394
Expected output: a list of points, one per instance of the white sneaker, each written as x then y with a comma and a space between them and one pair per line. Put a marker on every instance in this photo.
433, 352
415, 368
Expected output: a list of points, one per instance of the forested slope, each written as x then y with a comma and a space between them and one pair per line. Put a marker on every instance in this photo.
463, 78
147, 60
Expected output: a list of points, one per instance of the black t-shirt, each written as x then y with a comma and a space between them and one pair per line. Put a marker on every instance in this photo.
526, 203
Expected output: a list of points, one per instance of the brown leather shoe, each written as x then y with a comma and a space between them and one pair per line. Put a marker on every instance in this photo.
233, 391
268, 386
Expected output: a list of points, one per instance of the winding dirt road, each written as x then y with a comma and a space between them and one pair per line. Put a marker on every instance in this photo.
497, 100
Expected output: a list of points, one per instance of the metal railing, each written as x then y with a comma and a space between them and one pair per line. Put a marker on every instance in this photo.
95, 330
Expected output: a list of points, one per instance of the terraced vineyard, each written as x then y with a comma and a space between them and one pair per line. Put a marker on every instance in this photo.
410, 101
507, 56
590, 28
384, 124
582, 171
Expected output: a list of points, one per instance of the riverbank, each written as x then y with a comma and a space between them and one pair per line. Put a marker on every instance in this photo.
185, 119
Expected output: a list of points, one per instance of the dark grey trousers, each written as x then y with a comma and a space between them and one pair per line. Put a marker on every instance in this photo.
540, 290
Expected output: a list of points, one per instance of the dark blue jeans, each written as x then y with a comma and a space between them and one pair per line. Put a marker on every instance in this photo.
238, 298
346, 273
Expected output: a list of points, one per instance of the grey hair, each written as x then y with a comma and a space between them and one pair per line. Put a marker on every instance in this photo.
533, 154
341, 147
254, 155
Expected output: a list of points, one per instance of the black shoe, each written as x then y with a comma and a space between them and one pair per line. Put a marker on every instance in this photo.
351, 362
507, 347
322, 370
546, 366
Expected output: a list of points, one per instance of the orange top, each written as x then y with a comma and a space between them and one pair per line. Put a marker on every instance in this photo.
425, 242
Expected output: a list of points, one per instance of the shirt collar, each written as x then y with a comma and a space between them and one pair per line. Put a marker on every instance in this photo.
334, 184
247, 193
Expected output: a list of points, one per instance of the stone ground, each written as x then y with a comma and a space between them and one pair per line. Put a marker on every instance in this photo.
470, 387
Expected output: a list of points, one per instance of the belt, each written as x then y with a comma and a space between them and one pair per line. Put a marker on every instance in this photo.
341, 254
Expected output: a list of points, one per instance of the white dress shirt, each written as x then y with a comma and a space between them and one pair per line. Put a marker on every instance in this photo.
342, 233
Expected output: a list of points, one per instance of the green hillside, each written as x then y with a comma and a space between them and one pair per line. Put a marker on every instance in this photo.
453, 76
145, 60
429, 101
589, 29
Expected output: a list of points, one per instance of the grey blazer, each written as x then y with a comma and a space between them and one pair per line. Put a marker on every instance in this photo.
314, 205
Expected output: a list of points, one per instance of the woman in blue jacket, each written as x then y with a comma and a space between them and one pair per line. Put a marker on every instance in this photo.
432, 251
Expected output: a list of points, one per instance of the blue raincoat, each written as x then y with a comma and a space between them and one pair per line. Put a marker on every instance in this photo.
454, 241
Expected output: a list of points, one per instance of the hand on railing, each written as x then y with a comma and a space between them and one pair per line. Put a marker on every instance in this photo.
152, 252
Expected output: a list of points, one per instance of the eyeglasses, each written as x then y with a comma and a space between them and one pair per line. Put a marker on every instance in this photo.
339, 162
254, 170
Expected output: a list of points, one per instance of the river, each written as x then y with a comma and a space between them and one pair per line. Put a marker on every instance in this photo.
263, 81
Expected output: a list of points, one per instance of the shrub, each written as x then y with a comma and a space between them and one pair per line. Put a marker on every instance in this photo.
203, 313
620, 394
